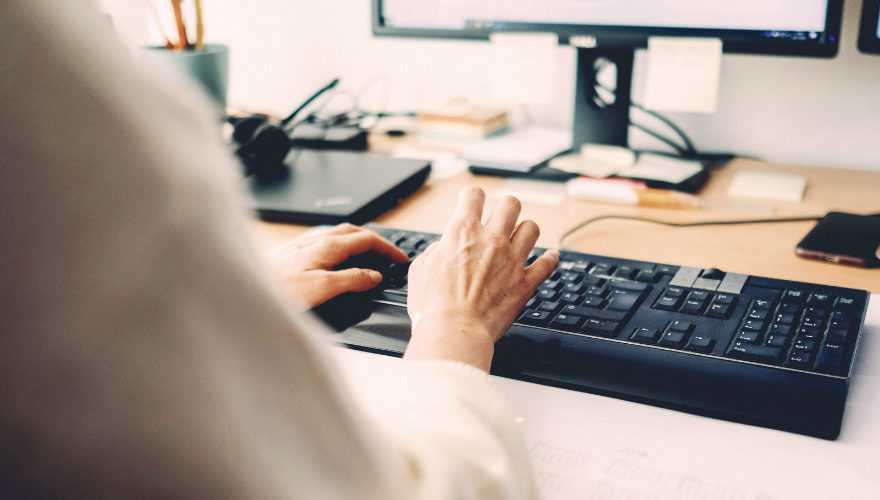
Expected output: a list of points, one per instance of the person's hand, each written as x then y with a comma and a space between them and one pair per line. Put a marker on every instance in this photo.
467, 289
305, 264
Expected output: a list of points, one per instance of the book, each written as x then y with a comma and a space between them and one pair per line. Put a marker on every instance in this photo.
462, 118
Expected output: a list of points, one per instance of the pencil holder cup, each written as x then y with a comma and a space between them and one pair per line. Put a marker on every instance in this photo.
208, 66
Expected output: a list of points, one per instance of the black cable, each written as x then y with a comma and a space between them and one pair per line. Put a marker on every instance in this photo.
308, 101
684, 138
673, 145
680, 224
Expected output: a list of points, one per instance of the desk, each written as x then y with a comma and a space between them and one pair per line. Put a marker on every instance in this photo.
762, 249
586, 446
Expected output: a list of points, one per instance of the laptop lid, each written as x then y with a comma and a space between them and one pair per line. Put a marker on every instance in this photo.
331, 187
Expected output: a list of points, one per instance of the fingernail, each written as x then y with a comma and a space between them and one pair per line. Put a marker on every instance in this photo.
376, 277
552, 253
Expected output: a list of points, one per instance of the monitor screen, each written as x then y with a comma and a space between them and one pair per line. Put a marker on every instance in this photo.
869, 34
792, 27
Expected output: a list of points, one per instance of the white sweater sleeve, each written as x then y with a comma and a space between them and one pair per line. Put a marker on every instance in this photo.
144, 352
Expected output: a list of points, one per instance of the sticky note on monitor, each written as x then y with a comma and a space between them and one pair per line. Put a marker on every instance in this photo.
683, 74
525, 67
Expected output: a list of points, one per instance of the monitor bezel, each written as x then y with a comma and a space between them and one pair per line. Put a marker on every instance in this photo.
869, 43
734, 41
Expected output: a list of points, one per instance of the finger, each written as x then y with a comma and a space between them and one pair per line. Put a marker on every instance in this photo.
344, 228
417, 262
524, 238
365, 241
470, 204
351, 280
503, 218
542, 268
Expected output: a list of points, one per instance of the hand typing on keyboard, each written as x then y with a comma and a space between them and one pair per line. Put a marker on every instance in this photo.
306, 264
467, 289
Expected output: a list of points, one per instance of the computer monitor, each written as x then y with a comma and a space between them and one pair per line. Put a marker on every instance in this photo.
606, 31
869, 33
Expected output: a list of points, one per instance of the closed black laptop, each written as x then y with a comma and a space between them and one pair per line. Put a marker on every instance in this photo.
331, 187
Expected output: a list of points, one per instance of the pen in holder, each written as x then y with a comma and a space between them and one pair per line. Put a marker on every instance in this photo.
205, 64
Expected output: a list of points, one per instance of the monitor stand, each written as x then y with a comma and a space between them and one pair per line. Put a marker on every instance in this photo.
596, 120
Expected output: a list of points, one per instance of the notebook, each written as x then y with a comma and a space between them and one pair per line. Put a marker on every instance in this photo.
331, 187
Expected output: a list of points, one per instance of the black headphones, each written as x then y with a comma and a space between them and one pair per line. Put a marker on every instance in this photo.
262, 146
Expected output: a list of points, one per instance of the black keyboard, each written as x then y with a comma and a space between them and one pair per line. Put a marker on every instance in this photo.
754, 350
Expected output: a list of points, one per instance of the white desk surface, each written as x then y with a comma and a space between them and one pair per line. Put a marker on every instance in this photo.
590, 447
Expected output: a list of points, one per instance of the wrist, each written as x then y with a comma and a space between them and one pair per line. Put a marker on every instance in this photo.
438, 335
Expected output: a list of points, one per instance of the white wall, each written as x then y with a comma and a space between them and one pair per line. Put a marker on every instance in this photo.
804, 111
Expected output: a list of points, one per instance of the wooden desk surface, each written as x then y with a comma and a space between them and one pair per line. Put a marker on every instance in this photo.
759, 249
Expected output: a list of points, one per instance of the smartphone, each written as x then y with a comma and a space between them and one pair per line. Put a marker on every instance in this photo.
843, 238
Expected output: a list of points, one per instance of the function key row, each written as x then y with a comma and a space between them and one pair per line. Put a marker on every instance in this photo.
643, 272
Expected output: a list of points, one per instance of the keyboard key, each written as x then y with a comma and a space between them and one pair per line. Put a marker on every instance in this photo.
799, 359
594, 313
532, 303
568, 322
753, 325
645, 335
836, 335
571, 298
667, 303
535, 318
841, 316
785, 319
762, 304
699, 295
623, 301
682, 326
647, 276
550, 307
547, 294
571, 277
699, 343
804, 345
692, 307
599, 291
819, 299
777, 340
575, 288
846, 303
747, 336
627, 285
830, 356
716, 310
554, 285
752, 352
815, 312
601, 327
808, 333
811, 322
758, 314
625, 272
593, 301
673, 339
724, 298
788, 308
794, 296
602, 270
674, 291
777, 329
